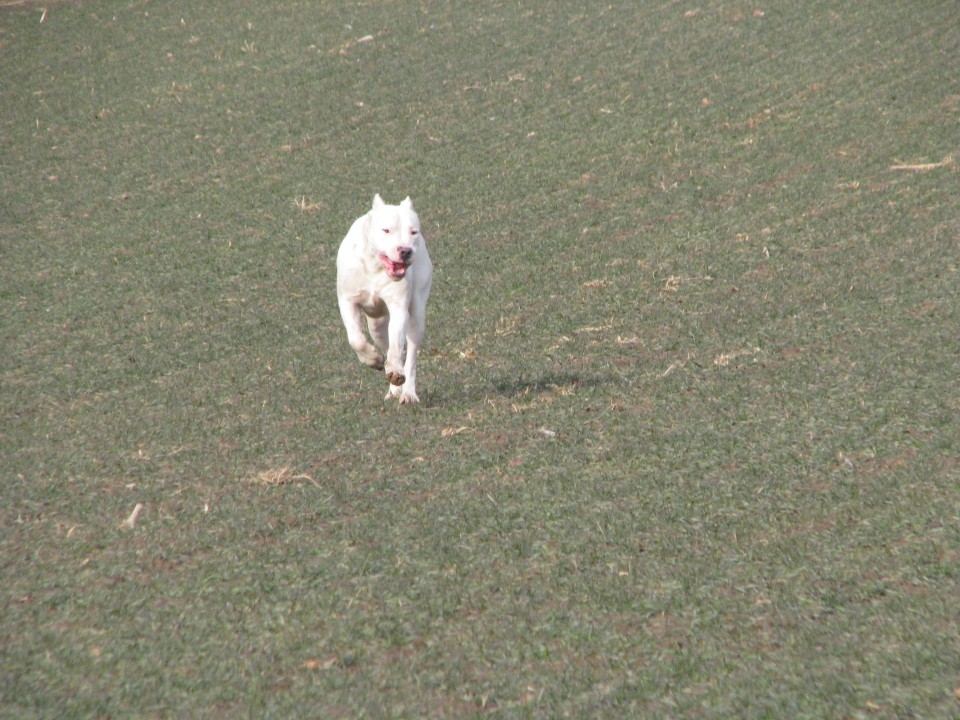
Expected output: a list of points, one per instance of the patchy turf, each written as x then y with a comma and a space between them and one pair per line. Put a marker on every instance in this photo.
688, 444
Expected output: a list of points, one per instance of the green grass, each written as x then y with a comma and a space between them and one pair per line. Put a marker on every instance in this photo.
688, 444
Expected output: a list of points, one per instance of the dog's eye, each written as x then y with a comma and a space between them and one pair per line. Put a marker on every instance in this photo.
386, 231
413, 232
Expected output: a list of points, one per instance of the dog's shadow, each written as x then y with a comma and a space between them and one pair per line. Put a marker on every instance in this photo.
547, 382
523, 385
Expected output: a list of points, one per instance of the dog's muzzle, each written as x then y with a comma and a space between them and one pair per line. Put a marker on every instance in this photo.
394, 269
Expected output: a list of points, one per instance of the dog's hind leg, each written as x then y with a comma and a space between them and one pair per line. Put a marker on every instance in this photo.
366, 352
379, 331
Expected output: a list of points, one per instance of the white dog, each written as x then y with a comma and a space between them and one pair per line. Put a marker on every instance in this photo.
384, 271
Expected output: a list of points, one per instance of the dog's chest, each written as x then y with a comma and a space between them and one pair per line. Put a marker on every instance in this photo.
371, 303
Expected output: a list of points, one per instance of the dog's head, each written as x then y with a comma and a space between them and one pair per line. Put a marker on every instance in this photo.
393, 234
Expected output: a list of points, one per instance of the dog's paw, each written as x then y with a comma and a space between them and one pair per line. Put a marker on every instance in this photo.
371, 358
408, 397
405, 395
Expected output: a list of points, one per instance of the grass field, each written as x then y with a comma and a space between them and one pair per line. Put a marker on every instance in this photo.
689, 443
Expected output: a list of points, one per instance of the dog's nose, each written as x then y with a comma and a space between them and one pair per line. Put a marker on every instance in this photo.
405, 253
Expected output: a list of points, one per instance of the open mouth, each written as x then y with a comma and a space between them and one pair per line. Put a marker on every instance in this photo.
395, 270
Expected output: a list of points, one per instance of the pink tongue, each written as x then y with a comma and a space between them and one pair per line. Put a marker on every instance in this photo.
394, 269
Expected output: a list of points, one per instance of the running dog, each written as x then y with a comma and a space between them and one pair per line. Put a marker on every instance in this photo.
384, 272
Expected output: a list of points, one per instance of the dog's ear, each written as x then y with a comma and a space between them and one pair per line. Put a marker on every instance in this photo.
377, 202
407, 203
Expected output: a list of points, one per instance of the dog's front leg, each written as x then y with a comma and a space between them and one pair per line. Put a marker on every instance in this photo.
415, 330
397, 330
366, 352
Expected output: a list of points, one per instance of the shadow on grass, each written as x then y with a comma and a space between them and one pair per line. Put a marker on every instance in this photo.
547, 382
